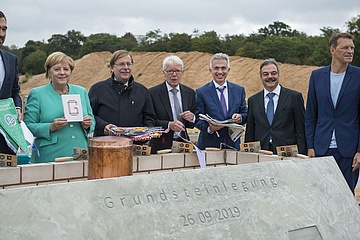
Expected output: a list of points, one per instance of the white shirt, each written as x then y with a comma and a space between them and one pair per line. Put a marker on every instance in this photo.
226, 92
2, 72
275, 98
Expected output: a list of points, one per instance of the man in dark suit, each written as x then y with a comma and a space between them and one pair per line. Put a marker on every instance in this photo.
284, 107
332, 117
9, 79
221, 100
168, 98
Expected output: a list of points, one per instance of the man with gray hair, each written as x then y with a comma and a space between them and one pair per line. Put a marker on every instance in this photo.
174, 105
221, 100
276, 114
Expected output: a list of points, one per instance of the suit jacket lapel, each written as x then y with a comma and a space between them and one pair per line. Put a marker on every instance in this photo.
6, 67
184, 98
215, 97
164, 97
326, 84
261, 105
345, 83
230, 98
282, 100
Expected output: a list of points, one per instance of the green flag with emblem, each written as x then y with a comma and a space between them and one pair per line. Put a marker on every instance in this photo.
10, 127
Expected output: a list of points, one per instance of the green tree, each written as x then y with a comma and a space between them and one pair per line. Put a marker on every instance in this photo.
154, 41
100, 42
354, 28
233, 43
302, 50
249, 49
207, 42
128, 42
179, 42
250, 46
279, 29
280, 48
321, 55
30, 47
70, 43
34, 62
328, 31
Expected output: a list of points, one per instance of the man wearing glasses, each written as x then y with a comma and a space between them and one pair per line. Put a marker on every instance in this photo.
174, 105
119, 101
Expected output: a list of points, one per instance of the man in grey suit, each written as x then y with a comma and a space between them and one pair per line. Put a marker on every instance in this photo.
9, 79
276, 114
174, 105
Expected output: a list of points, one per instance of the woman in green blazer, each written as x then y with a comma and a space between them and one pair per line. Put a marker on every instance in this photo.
44, 114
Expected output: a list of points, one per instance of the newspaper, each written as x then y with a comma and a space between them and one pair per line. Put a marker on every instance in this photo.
235, 130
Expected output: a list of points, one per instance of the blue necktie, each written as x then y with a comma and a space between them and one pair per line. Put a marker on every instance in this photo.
270, 107
222, 100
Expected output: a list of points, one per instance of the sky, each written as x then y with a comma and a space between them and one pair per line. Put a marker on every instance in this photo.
38, 20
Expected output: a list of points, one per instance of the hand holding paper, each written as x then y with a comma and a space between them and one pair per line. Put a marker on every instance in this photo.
87, 121
235, 130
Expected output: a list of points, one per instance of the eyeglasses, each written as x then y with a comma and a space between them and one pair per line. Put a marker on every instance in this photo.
171, 72
123, 64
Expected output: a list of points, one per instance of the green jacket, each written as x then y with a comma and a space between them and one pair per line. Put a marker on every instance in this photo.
43, 105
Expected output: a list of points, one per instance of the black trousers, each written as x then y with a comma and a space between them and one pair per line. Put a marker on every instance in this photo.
4, 147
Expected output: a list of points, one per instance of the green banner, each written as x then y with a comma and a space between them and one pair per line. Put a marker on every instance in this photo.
10, 126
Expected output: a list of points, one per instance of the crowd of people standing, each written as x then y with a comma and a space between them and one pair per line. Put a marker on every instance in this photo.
329, 125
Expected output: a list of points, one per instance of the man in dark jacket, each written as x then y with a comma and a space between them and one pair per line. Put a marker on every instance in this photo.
9, 80
169, 96
119, 101
276, 114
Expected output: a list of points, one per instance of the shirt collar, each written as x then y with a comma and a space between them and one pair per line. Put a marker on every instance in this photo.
217, 85
125, 84
170, 87
276, 91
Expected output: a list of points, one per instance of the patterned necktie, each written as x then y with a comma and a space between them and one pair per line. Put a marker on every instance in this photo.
222, 100
176, 104
270, 107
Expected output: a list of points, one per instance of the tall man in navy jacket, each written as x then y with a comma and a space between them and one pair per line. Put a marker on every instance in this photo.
9, 79
208, 101
332, 115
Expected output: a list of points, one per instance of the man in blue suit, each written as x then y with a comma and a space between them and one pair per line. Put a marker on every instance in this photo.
221, 100
332, 115
9, 79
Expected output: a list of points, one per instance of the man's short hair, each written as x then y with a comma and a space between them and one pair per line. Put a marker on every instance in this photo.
335, 37
2, 15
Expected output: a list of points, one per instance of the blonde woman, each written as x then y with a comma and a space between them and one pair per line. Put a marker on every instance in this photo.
44, 114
